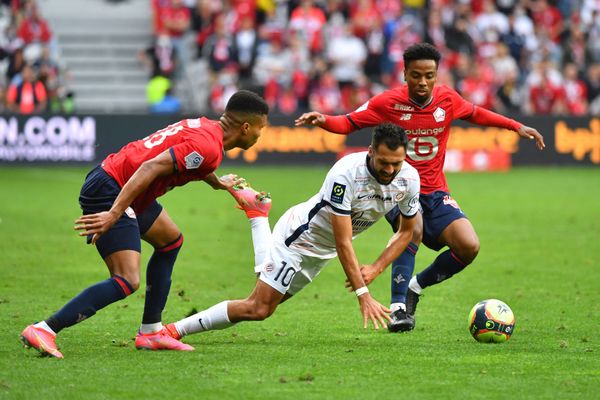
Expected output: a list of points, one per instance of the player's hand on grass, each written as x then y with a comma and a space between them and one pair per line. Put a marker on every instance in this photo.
310, 118
373, 311
95, 224
532, 134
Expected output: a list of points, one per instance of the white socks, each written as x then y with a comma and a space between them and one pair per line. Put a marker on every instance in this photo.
43, 325
261, 239
414, 285
147, 329
207, 320
397, 306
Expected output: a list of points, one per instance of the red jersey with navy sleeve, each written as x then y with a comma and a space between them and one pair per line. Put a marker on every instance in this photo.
196, 146
427, 127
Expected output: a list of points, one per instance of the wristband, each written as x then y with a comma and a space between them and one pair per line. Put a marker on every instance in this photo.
361, 290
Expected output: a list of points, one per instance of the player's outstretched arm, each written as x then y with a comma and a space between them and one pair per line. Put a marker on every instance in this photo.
313, 118
532, 134
370, 308
396, 245
97, 224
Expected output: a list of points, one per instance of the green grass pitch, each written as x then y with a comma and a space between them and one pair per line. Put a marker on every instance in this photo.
540, 253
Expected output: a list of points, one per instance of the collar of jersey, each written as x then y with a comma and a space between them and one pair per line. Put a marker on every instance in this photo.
373, 174
421, 106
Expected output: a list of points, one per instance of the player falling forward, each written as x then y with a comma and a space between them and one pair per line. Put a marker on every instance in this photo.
426, 112
118, 199
358, 190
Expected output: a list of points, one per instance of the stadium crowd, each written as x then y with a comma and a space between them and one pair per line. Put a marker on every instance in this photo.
31, 78
517, 56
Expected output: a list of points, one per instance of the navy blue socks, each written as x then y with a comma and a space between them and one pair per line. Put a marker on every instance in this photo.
88, 302
402, 270
158, 280
442, 268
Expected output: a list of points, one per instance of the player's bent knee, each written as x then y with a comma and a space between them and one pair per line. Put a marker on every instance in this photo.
469, 251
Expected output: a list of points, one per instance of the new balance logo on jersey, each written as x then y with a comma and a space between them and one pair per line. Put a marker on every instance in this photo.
405, 117
439, 114
193, 160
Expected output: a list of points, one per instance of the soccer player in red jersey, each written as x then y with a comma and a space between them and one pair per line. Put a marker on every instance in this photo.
118, 199
426, 111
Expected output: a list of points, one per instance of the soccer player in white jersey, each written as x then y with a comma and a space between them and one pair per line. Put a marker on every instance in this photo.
358, 191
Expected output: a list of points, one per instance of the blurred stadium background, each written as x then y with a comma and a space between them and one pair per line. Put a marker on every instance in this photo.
80, 78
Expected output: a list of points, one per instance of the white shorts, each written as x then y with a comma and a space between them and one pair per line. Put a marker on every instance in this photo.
289, 271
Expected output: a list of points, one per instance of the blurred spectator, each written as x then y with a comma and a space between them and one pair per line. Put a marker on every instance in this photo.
169, 104
175, 23
224, 87
28, 96
326, 97
157, 88
308, 20
245, 43
347, 55
546, 94
548, 18
575, 91
275, 63
593, 88
491, 19
160, 58
34, 29
218, 48
510, 95
458, 38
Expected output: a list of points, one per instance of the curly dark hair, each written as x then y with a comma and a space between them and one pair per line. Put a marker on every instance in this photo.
245, 101
389, 134
421, 51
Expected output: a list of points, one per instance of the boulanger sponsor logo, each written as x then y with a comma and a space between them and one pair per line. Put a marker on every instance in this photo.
47, 139
424, 132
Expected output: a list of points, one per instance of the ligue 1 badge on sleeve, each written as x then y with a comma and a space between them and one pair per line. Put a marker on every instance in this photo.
337, 193
193, 160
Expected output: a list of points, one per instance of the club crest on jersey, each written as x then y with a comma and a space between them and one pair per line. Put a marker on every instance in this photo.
451, 202
439, 114
193, 160
337, 193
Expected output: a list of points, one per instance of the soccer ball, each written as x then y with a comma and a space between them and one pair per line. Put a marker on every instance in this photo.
491, 321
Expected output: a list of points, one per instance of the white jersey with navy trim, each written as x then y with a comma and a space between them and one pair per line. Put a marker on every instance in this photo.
349, 189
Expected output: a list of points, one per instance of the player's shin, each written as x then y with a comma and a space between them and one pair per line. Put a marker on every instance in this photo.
402, 270
442, 268
261, 239
88, 302
158, 284
210, 319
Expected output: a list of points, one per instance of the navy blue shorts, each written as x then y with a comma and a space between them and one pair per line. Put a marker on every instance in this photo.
98, 193
438, 209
